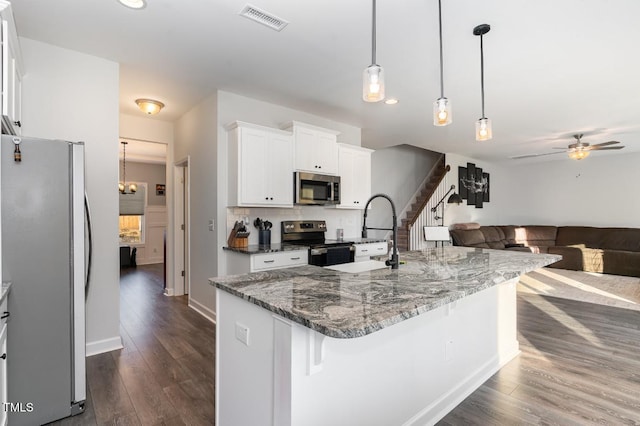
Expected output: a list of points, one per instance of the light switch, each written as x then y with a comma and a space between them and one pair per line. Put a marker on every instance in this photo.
242, 333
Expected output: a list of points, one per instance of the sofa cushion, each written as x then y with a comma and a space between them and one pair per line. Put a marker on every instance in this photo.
465, 226
627, 239
571, 257
509, 232
621, 262
468, 238
493, 236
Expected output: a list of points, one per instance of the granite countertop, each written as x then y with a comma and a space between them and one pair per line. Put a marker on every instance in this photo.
272, 248
347, 305
278, 247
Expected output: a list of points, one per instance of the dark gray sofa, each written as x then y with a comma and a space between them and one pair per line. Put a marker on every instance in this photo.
583, 248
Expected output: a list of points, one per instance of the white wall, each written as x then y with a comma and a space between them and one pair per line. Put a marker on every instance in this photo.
146, 129
57, 85
492, 213
196, 136
598, 191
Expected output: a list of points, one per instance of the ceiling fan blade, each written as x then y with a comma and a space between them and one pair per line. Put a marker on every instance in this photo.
595, 148
606, 143
518, 157
559, 147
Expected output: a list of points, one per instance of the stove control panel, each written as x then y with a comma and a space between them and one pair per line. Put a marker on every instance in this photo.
303, 226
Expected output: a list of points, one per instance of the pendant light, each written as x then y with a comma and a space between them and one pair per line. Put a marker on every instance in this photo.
122, 186
373, 77
483, 125
441, 107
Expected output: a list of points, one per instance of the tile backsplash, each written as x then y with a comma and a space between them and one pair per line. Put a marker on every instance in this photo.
349, 220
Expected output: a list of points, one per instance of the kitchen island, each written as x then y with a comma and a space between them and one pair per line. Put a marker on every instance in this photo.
313, 346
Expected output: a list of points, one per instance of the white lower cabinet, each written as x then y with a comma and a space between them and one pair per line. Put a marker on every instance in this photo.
3, 363
240, 263
367, 250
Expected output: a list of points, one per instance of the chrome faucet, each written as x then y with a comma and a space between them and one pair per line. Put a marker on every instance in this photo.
394, 262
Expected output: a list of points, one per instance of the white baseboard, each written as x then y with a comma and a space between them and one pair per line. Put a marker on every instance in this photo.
102, 346
202, 310
168, 291
440, 408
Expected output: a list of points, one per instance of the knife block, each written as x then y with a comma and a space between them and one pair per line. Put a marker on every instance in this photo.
238, 239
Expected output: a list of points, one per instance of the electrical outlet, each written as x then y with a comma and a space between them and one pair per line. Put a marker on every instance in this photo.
242, 333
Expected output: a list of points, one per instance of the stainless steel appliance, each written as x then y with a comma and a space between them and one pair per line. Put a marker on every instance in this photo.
315, 189
322, 252
43, 256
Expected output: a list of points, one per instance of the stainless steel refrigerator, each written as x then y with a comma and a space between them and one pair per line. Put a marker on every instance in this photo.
44, 231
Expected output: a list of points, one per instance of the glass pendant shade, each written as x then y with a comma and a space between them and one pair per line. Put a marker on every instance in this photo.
373, 83
483, 129
578, 154
121, 187
441, 112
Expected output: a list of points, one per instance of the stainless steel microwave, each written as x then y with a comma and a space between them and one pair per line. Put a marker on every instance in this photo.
315, 189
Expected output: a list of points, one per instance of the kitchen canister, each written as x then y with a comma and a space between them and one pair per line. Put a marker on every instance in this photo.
264, 237
339, 234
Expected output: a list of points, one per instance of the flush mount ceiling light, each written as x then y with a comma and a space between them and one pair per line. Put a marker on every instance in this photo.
483, 125
134, 4
262, 17
149, 106
391, 101
123, 188
373, 77
442, 106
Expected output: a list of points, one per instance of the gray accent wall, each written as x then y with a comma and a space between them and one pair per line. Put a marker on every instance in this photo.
152, 174
396, 171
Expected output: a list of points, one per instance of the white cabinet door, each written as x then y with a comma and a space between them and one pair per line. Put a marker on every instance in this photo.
254, 188
281, 173
316, 149
260, 166
355, 176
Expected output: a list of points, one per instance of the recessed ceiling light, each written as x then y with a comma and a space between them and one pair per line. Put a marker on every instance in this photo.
134, 4
391, 101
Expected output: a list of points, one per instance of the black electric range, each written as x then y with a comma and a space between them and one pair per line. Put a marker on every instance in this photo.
311, 233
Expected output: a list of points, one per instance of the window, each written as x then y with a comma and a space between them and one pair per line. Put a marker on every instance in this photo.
132, 229
132, 210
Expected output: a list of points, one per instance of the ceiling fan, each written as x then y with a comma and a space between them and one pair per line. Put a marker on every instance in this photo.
578, 150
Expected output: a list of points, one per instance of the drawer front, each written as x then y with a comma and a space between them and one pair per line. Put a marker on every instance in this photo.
373, 249
260, 262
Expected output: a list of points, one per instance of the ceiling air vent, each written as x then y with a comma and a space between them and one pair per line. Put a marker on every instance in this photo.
263, 17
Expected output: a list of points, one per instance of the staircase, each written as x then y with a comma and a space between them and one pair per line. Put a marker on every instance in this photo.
422, 198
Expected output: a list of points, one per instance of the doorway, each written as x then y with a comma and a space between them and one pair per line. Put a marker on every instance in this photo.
182, 226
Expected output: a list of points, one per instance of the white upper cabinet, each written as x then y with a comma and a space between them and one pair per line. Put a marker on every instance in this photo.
316, 148
260, 166
12, 70
355, 176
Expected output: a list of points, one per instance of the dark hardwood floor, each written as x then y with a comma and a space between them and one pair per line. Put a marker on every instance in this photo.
165, 373
580, 364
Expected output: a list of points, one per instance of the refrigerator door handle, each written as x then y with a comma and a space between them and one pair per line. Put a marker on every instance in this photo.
87, 213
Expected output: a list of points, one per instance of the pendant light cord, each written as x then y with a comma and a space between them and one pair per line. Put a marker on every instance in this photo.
373, 35
441, 72
482, 74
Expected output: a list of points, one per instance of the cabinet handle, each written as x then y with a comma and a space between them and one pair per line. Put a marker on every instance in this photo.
271, 198
380, 248
18, 123
268, 261
3, 356
295, 258
5, 315
364, 251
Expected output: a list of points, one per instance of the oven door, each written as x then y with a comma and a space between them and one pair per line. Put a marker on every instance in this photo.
327, 256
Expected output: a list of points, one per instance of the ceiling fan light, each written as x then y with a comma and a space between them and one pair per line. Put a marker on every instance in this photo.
441, 112
149, 106
578, 154
483, 129
373, 83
